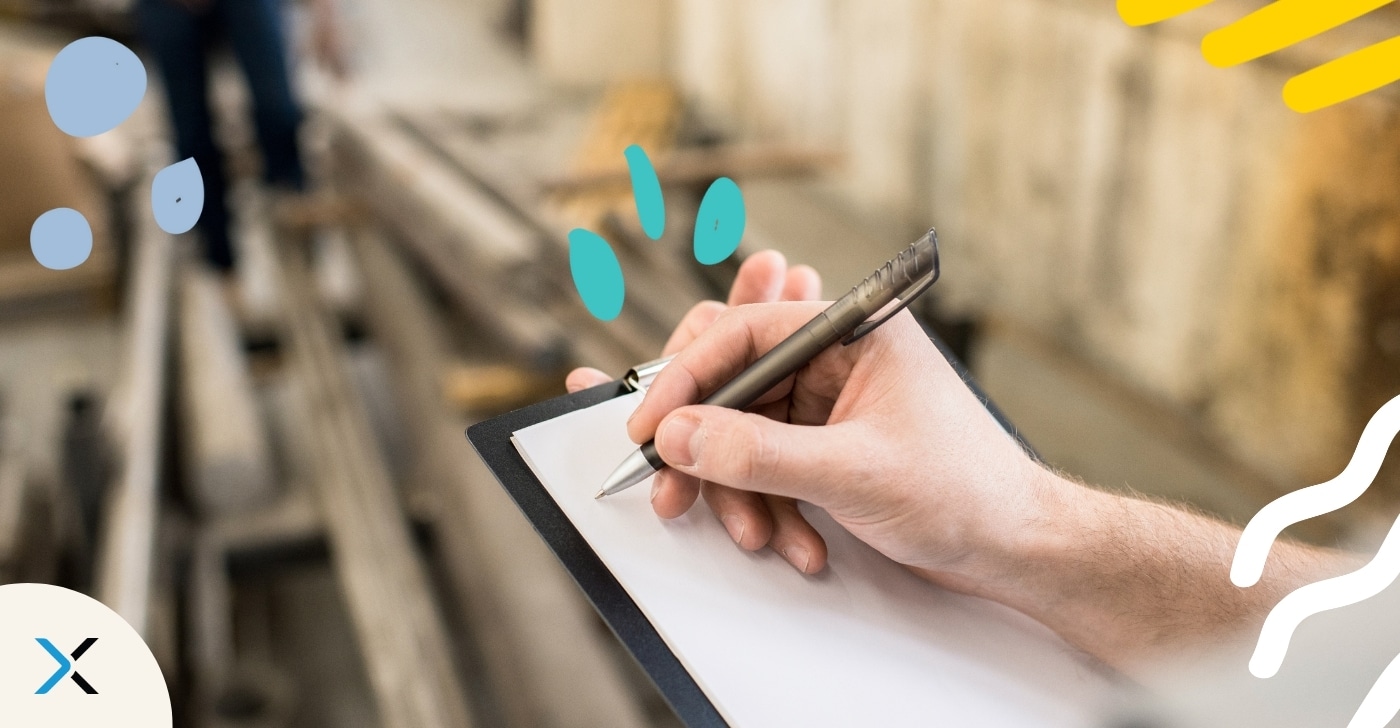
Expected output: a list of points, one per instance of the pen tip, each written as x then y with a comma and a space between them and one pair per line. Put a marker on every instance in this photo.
602, 492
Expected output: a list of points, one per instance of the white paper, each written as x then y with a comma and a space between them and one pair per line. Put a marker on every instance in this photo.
864, 643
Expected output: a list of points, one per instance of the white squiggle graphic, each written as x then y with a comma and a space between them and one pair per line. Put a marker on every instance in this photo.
1264, 528
1383, 702
1341, 591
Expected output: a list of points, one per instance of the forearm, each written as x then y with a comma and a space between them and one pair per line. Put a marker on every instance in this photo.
1129, 580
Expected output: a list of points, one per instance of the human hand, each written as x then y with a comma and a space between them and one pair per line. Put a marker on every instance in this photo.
763, 278
882, 434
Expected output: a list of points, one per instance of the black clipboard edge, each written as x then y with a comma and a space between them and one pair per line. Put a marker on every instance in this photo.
492, 440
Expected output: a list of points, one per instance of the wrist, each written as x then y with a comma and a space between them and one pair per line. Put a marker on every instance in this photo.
1029, 530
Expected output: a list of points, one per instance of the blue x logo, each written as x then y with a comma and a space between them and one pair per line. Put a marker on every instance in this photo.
65, 666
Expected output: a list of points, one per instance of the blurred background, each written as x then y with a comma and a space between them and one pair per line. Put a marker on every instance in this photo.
247, 439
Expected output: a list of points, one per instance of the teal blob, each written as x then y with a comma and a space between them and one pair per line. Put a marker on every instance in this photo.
177, 196
646, 192
719, 225
597, 274
93, 85
61, 239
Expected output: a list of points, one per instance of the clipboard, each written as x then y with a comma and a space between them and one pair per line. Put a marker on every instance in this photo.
492, 441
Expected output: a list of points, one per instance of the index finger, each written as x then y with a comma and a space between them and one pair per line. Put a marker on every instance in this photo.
735, 340
764, 277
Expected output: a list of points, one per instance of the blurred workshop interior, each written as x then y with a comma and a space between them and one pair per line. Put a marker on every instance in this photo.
1169, 281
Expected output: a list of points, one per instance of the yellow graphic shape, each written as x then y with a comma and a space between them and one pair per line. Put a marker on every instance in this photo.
1279, 25
1147, 12
1345, 78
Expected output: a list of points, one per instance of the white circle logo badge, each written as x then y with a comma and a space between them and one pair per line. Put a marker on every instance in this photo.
67, 661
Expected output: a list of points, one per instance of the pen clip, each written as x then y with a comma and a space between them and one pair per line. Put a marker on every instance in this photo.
639, 377
892, 308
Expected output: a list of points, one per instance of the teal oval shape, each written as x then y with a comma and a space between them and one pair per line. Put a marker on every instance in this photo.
646, 192
719, 225
597, 274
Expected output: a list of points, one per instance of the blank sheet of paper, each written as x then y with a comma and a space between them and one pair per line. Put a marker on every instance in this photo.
865, 643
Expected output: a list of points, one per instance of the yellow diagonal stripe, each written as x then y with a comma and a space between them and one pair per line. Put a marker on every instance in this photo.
1345, 78
1279, 25
1147, 12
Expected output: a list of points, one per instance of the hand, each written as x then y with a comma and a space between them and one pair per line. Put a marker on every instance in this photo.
885, 437
768, 520
882, 434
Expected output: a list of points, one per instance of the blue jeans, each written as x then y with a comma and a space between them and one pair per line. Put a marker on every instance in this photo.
179, 39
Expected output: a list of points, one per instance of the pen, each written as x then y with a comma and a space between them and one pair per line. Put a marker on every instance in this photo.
874, 301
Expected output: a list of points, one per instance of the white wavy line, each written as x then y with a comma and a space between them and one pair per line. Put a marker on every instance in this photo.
1383, 702
1321, 596
1264, 528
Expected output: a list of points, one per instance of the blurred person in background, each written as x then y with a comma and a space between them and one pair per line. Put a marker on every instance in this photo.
180, 35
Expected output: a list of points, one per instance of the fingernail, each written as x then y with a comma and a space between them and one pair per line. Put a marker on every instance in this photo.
655, 487
678, 440
799, 557
735, 526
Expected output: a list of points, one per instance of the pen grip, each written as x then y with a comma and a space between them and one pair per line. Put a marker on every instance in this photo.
778, 364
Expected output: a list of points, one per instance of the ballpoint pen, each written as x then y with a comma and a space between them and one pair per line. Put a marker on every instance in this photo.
874, 301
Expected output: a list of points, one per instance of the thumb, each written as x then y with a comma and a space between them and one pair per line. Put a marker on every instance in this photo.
751, 452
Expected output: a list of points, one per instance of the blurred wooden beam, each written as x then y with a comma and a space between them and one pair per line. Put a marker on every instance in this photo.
228, 461
126, 554
479, 252
406, 647
548, 662
700, 166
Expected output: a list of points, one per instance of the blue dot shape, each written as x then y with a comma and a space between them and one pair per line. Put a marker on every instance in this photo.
61, 239
719, 225
93, 85
177, 196
646, 191
597, 274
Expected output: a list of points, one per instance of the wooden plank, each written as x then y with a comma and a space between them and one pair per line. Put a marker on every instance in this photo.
652, 310
548, 663
641, 112
225, 448
702, 166
127, 552
480, 253
406, 647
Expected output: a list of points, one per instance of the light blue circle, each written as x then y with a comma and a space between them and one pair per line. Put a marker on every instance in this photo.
93, 85
719, 224
597, 274
177, 196
61, 239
